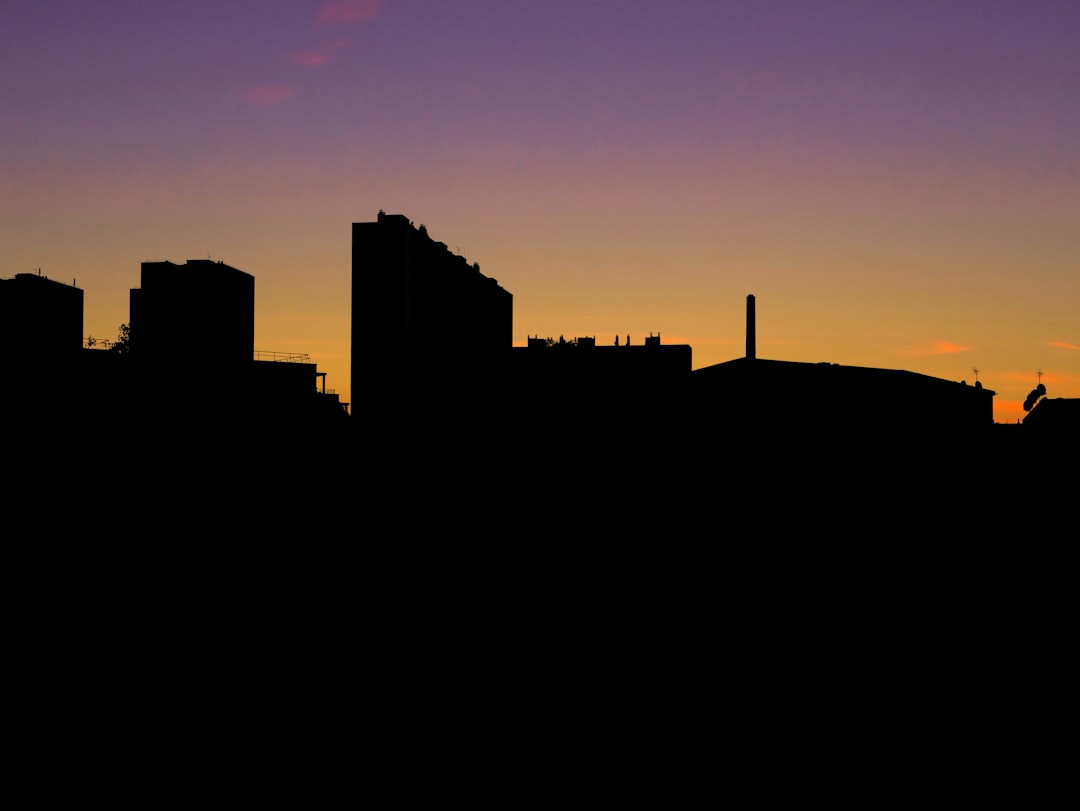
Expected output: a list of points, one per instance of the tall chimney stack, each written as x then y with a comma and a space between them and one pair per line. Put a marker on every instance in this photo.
751, 329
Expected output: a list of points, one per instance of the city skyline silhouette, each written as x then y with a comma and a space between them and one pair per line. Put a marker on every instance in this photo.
894, 186
580, 463
566, 471
421, 376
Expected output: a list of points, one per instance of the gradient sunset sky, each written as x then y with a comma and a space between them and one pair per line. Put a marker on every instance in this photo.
898, 183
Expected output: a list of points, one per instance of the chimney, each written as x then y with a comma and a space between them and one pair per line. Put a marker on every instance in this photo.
751, 329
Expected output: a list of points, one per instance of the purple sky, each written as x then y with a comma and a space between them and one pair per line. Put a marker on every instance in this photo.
897, 182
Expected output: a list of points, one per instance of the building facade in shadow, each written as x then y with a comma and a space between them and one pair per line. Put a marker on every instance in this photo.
1054, 418
41, 316
200, 309
612, 394
41, 326
832, 400
429, 330
192, 346
187, 369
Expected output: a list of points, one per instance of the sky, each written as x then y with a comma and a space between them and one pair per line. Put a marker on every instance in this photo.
897, 183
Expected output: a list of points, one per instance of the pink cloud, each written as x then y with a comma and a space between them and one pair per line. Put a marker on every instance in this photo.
322, 55
268, 95
310, 59
934, 348
348, 12
1064, 345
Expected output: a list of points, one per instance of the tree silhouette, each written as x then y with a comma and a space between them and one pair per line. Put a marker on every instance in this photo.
123, 341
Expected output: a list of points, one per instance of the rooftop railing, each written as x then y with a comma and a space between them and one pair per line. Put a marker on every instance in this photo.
283, 357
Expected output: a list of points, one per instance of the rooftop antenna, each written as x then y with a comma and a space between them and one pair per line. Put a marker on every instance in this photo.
975, 369
1039, 374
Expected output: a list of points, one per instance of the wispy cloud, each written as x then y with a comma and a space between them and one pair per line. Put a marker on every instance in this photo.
933, 348
1063, 345
268, 95
310, 59
348, 12
321, 55
330, 13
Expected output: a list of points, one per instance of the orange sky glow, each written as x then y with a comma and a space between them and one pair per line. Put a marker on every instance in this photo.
897, 184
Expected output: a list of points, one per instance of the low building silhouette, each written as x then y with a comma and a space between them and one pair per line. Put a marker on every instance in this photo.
793, 396
581, 375
831, 402
1056, 417
581, 400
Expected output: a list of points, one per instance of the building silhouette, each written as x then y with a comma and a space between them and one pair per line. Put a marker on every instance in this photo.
426, 325
1055, 418
433, 336
619, 381
832, 402
41, 324
434, 369
192, 339
196, 310
187, 368
192, 346
41, 316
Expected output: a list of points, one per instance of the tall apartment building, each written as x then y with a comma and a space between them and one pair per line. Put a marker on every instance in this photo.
423, 319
